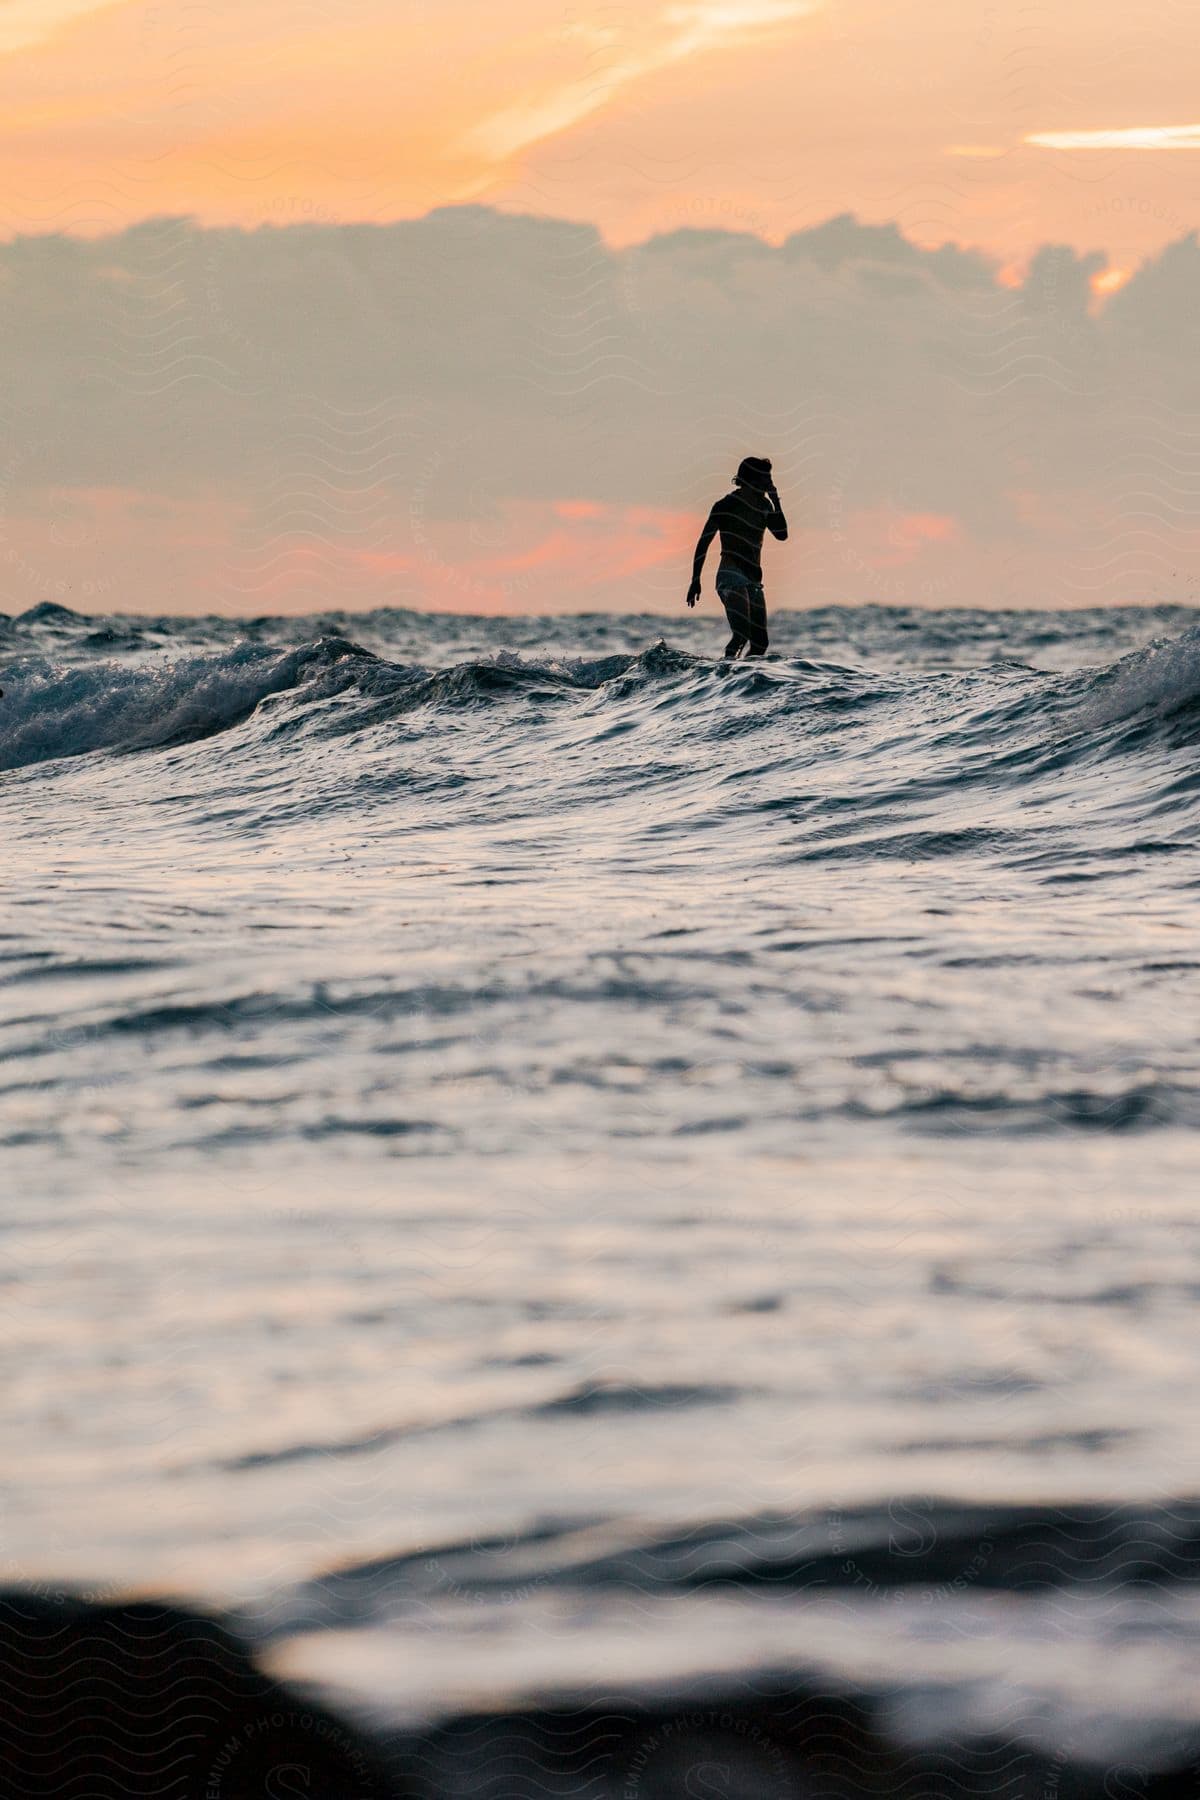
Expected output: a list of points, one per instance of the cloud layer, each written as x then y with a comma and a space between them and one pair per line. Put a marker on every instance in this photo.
491, 412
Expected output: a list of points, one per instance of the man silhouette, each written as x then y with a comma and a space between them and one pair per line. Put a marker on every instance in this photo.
741, 518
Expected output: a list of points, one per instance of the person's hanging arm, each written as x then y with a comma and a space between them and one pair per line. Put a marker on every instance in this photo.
705, 539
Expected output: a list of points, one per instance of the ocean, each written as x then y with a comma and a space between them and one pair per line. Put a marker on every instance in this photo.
558, 1181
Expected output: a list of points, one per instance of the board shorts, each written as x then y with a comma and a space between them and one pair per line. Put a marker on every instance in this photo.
745, 607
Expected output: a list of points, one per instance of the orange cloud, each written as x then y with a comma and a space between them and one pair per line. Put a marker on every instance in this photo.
1109, 281
536, 566
1132, 137
760, 115
608, 60
892, 539
25, 22
115, 549
936, 528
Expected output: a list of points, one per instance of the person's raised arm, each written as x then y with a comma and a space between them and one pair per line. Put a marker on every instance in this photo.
776, 523
705, 539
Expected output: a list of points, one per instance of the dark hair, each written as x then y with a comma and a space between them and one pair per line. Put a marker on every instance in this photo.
755, 472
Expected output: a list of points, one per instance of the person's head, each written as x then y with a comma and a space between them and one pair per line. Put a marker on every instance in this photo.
754, 472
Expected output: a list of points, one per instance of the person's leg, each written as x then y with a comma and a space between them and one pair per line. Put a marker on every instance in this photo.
756, 620
732, 595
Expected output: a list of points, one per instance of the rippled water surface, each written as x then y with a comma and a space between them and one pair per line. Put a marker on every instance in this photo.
535, 1155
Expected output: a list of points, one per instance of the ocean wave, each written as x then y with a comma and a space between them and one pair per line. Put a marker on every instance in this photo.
1007, 719
920, 1644
1155, 682
911, 1542
590, 1400
51, 710
161, 1696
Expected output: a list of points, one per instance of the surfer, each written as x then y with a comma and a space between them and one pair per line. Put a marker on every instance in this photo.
741, 518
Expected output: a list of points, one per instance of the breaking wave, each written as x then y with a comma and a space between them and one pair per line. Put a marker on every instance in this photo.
1008, 718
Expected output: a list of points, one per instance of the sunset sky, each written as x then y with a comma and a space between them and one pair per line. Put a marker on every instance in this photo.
999, 129
1002, 126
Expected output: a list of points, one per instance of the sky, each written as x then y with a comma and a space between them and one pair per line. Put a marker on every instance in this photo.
434, 302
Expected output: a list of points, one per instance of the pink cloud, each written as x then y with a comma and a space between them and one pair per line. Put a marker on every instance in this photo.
892, 539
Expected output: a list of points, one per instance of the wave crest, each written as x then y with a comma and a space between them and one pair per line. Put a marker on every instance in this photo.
50, 710
1002, 721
